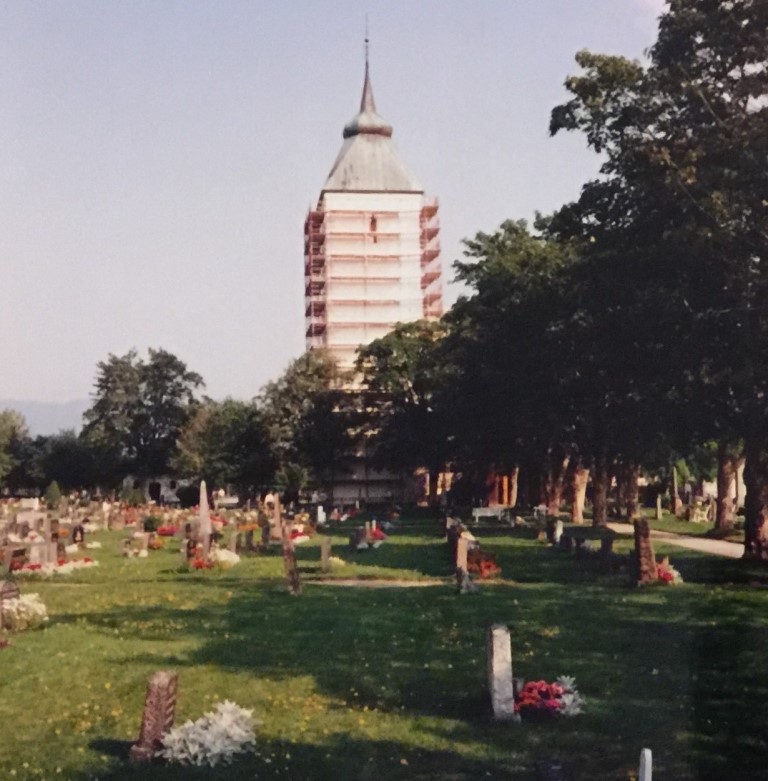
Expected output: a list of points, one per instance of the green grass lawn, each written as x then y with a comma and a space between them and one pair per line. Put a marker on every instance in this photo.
390, 683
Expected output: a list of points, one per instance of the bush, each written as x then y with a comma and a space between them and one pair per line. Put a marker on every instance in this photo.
132, 496
189, 495
52, 496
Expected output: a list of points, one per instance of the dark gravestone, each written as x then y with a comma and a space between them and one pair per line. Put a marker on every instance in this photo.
550, 531
158, 716
566, 543
8, 590
606, 547
645, 561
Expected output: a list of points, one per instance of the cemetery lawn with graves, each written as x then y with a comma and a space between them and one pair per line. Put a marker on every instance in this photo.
356, 682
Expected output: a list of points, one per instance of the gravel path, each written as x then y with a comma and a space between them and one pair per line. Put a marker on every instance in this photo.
733, 550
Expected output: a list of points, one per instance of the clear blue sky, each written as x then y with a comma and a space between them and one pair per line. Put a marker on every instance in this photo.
157, 159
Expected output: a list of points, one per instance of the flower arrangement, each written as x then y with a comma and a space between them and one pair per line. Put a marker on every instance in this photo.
25, 612
539, 699
224, 558
201, 564
167, 531
62, 567
214, 738
666, 573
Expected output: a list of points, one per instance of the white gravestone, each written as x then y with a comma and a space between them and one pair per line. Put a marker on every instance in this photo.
646, 766
500, 680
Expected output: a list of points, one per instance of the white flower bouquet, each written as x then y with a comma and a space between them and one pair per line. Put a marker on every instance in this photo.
25, 612
224, 558
213, 739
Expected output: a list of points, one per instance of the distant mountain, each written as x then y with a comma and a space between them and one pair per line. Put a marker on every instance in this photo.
49, 417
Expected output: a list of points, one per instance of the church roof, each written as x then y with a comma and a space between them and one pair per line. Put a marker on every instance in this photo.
368, 161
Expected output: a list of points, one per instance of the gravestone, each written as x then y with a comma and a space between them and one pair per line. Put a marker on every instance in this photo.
646, 766
566, 543
289, 552
158, 716
368, 534
558, 531
645, 561
321, 518
233, 542
658, 507
500, 681
325, 554
462, 549
8, 590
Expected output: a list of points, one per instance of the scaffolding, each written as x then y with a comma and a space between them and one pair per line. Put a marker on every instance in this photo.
365, 270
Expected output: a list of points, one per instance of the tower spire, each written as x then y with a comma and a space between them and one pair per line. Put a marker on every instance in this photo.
367, 103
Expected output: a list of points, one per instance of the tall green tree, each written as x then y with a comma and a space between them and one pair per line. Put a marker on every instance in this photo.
227, 443
13, 435
682, 200
401, 377
139, 408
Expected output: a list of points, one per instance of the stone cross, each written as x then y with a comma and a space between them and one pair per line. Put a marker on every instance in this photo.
158, 716
500, 681
325, 554
646, 766
644, 558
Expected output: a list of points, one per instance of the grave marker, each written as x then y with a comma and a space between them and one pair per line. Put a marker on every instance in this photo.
646, 766
500, 681
645, 561
289, 553
158, 716
8, 590
325, 554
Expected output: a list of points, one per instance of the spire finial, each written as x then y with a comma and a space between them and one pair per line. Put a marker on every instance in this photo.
367, 42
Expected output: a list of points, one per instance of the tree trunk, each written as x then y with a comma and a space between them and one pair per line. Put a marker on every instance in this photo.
756, 499
600, 481
558, 464
579, 490
631, 489
433, 480
727, 464
513, 479
676, 504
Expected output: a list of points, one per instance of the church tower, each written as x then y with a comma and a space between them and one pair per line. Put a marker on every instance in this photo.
371, 249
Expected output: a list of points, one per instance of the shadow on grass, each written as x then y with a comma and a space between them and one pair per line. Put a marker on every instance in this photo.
341, 758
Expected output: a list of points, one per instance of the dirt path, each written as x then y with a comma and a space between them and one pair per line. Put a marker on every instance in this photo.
381, 583
733, 550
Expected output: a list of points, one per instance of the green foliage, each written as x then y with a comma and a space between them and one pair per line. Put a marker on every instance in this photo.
227, 443
188, 495
151, 522
139, 409
13, 434
134, 497
52, 496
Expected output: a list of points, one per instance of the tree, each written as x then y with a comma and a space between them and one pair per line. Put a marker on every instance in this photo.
305, 411
139, 409
402, 375
13, 434
227, 443
683, 199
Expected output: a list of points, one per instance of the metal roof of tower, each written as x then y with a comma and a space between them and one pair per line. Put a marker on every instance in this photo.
368, 160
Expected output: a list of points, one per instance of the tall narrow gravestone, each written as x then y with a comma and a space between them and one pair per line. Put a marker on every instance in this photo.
289, 552
500, 680
158, 716
325, 554
646, 766
645, 561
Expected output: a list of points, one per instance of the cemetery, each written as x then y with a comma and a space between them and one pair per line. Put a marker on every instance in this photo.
351, 656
